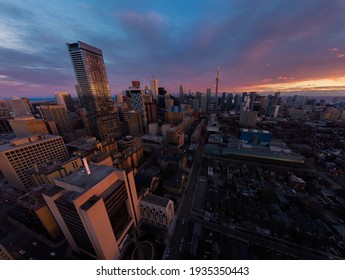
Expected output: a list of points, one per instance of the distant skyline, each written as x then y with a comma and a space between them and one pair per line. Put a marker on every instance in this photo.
268, 45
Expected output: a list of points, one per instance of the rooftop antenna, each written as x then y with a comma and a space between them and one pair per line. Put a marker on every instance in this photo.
87, 168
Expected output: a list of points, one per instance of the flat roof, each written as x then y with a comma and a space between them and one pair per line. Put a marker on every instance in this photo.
155, 199
254, 130
255, 152
52, 190
81, 179
26, 141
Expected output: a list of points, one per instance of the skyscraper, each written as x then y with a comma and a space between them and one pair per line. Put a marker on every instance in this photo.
65, 99
154, 88
58, 114
182, 95
93, 90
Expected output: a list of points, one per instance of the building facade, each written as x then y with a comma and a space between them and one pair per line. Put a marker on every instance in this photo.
157, 211
19, 156
93, 91
58, 114
28, 126
95, 207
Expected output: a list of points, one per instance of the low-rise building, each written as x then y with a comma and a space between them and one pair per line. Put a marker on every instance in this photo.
157, 211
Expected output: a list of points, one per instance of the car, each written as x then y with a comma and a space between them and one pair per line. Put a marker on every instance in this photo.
34, 243
183, 220
52, 254
22, 252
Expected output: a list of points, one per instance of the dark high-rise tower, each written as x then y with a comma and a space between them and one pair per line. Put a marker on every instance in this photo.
93, 90
217, 80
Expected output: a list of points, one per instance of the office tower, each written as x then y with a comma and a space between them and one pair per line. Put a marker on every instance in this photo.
182, 94
93, 91
19, 107
210, 100
151, 112
223, 102
229, 104
96, 207
195, 104
169, 102
237, 102
174, 115
22, 154
208, 93
135, 101
148, 98
154, 88
161, 97
157, 211
58, 114
65, 99
134, 123
203, 102
5, 116
136, 96
248, 119
28, 126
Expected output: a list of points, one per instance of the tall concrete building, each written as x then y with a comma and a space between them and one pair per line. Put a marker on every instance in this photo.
19, 156
19, 107
93, 91
58, 114
95, 207
133, 123
5, 116
65, 99
182, 96
154, 88
28, 126
151, 112
136, 96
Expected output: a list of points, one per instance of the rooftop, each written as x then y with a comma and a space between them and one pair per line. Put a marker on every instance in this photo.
157, 200
81, 179
26, 141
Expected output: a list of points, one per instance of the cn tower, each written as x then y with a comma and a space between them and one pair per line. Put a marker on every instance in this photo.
217, 80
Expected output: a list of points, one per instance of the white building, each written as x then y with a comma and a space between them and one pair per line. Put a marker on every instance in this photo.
156, 210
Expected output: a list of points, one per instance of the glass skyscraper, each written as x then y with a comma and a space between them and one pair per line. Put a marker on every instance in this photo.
93, 91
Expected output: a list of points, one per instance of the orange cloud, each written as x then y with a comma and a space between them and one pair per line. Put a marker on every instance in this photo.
337, 83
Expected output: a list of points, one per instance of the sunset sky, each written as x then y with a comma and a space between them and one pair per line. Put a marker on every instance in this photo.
260, 45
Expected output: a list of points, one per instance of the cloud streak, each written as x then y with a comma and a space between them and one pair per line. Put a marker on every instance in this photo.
258, 43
